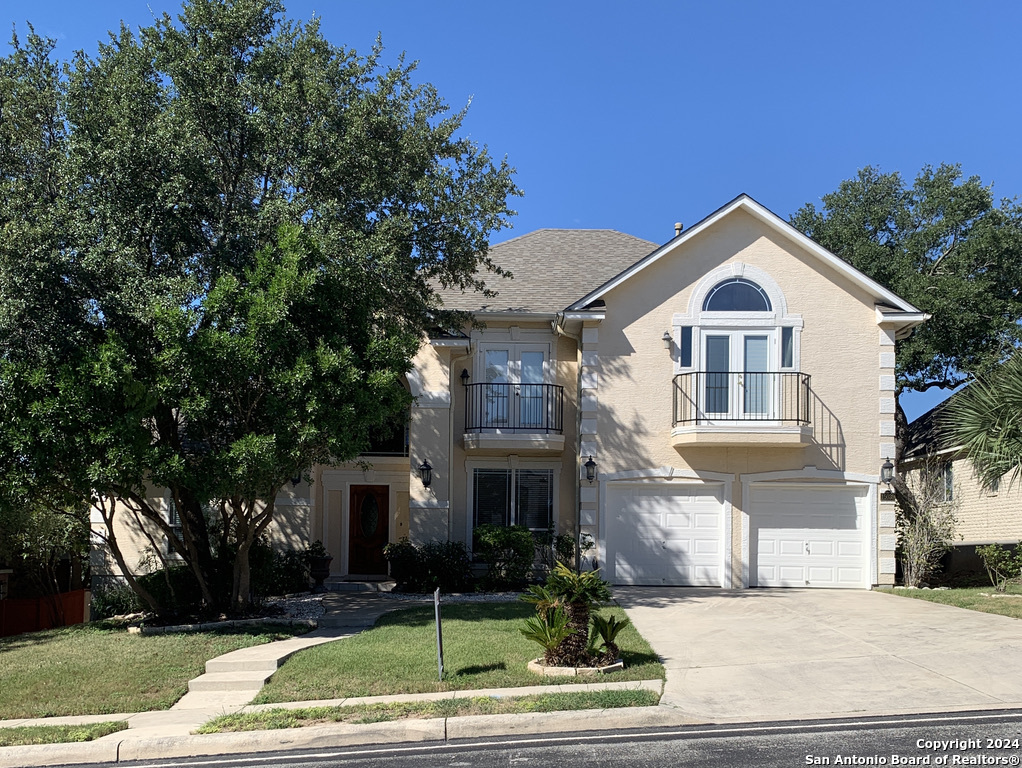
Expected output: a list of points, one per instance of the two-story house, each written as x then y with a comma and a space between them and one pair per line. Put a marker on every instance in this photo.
714, 411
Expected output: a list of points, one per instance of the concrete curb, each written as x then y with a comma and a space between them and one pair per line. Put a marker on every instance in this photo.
343, 735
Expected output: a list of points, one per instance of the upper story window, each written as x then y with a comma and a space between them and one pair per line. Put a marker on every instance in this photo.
737, 295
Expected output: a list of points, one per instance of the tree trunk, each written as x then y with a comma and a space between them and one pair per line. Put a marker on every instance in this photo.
572, 649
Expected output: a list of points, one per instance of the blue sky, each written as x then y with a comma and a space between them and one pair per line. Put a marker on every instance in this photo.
634, 116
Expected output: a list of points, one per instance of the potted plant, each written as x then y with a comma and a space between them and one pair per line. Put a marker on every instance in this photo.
319, 564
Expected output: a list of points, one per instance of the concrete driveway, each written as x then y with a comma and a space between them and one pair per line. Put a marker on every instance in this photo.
778, 654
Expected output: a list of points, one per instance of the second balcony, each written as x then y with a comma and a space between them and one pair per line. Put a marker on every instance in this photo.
515, 417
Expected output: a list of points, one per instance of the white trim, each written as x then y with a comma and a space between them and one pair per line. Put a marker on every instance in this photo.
672, 476
455, 343
747, 204
810, 473
582, 315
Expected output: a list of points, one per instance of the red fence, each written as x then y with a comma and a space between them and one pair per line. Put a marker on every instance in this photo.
17, 616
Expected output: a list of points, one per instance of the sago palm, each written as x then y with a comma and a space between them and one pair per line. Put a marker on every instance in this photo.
985, 419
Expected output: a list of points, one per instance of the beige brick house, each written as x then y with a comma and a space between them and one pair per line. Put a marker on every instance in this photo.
732, 391
985, 515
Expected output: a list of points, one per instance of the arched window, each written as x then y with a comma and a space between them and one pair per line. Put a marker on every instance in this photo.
736, 295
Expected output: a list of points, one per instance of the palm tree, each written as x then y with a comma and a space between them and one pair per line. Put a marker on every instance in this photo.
985, 419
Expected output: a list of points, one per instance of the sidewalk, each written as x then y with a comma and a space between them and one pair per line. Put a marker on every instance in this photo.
231, 681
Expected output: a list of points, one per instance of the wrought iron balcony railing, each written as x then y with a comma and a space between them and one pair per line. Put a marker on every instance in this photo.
703, 397
514, 408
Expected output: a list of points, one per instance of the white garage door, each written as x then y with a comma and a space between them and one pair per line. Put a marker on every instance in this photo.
664, 533
809, 536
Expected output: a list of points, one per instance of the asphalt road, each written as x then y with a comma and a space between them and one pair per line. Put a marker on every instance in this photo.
954, 739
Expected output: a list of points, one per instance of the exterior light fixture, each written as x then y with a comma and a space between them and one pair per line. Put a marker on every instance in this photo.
426, 473
887, 472
667, 340
464, 377
296, 479
590, 469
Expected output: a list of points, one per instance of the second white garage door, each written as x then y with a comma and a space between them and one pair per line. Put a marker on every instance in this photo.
664, 533
809, 536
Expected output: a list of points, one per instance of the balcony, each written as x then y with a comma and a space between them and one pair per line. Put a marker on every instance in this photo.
742, 409
526, 418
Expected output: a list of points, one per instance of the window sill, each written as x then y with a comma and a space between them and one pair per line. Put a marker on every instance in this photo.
525, 444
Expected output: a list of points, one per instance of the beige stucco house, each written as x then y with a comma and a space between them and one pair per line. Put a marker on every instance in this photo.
733, 390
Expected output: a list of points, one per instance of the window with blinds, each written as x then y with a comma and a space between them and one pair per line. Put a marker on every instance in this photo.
513, 497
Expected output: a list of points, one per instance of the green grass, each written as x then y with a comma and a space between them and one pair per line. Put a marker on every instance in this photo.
56, 734
482, 649
379, 713
93, 670
972, 598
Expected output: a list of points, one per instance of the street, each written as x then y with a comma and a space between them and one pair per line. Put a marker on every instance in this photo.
952, 739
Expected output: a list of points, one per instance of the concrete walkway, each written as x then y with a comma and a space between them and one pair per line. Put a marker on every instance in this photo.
781, 654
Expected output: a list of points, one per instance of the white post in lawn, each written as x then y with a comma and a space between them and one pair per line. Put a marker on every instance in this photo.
439, 636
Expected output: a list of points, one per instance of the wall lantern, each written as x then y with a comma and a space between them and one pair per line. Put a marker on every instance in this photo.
426, 473
667, 340
296, 479
887, 472
464, 377
590, 469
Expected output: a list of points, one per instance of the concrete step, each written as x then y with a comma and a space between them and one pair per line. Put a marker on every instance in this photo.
346, 585
244, 665
230, 681
343, 621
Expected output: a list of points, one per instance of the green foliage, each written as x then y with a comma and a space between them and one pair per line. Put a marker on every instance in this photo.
985, 419
585, 587
943, 245
574, 594
607, 628
508, 551
554, 547
549, 629
220, 240
1002, 565
436, 564
113, 600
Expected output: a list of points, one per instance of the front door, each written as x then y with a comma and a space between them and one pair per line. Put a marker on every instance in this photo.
368, 529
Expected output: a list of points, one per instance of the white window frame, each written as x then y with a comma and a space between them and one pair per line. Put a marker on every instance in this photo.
704, 323
512, 464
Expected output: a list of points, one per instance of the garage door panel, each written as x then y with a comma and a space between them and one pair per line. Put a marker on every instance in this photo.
809, 536
662, 533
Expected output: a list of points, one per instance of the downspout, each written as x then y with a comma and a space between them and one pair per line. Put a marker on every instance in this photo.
558, 329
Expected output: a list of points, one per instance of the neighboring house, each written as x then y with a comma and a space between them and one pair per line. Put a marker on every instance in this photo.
985, 515
732, 388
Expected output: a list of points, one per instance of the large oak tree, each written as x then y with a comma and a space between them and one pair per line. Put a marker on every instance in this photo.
946, 246
219, 239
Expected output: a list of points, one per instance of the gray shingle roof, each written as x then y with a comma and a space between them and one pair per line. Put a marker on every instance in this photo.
552, 268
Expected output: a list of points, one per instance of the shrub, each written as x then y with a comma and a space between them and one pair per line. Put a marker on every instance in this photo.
1002, 565
575, 594
278, 571
175, 589
509, 553
113, 599
554, 548
443, 564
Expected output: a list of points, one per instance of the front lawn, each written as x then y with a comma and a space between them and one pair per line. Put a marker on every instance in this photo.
482, 649
92, 670
380, 713
973, 598
22, 735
